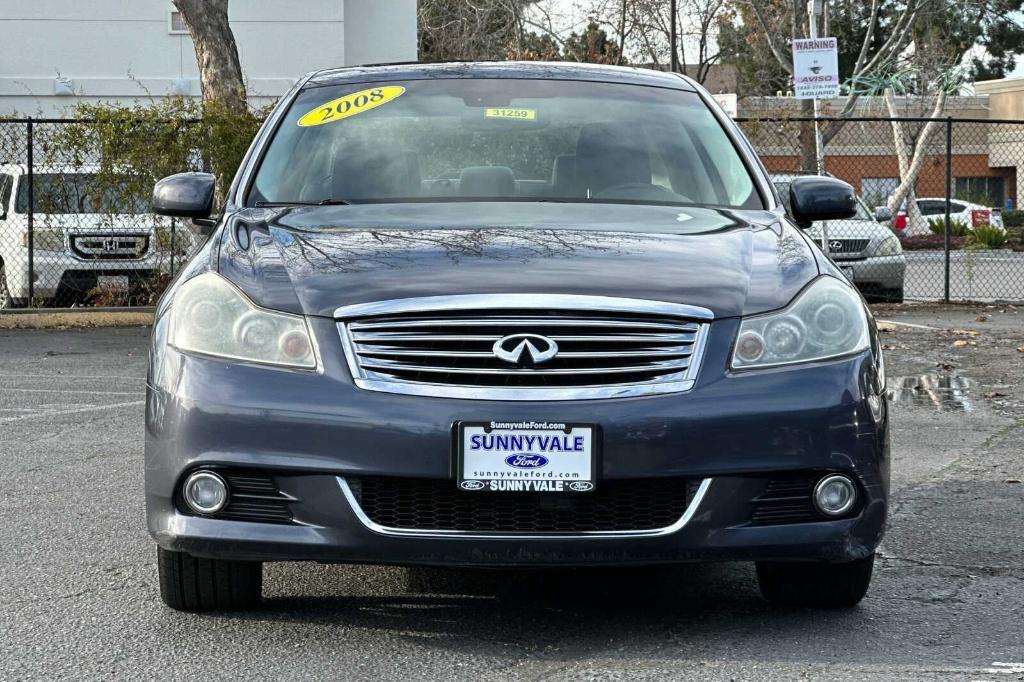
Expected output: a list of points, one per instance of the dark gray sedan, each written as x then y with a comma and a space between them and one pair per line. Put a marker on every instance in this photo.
511, 315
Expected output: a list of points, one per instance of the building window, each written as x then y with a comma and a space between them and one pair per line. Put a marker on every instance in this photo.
985, 190
175, 24
876, 191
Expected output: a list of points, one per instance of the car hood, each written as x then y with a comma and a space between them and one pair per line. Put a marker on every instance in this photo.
98, 222
313, 260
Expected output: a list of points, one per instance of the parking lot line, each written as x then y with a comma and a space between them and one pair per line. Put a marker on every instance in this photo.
62, 390
70, 376
78, 410
909, 324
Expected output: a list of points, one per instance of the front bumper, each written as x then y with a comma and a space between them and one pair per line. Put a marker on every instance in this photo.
877, 272
54, 272
320, 430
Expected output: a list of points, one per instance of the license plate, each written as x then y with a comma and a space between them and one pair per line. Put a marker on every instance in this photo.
118, 282
543, 457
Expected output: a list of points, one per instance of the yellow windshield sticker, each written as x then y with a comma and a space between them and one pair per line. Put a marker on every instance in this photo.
350, 105
515, 114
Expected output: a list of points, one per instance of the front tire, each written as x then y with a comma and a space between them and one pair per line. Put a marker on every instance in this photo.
894, 295
189, 583
815, 584
884, 295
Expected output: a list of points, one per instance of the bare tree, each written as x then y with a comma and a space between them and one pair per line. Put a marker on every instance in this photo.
892, 31
644, 29
703, 16
911, 140
471, 29
910, 154
220, 72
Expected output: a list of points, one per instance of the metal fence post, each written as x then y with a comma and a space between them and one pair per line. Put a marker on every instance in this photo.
949, 192
31, 215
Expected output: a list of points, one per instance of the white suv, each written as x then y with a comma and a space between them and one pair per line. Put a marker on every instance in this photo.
84, 238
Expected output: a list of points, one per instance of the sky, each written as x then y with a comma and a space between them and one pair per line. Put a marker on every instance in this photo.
568, 15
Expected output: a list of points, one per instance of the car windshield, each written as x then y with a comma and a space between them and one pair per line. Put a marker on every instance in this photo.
502, 140
862, 212
80, 193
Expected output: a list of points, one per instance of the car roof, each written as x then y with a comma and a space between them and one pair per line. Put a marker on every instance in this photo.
943, 199
789, 176
535, 70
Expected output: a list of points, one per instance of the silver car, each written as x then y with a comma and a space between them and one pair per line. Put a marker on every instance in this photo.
866, 250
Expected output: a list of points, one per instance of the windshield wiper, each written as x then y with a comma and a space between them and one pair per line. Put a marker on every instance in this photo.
324, 202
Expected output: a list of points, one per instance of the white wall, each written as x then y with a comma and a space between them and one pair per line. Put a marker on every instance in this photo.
379, 31
122, 49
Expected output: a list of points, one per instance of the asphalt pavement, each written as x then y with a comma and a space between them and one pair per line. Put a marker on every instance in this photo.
78, 589
973, 275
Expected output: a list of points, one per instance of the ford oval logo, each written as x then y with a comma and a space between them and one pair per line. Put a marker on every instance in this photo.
471, 485
526, 461
581, 486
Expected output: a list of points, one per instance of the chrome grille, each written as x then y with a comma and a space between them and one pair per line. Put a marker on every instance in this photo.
445, 346
110, 246
847, 246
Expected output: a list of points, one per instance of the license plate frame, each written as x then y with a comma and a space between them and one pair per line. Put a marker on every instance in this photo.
539, 483
112, 282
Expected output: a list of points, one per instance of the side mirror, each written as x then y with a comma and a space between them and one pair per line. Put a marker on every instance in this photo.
883, 214
816, 197
185, 195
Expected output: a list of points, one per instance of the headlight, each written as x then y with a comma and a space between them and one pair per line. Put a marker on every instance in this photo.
890, 246
824, 321
210, 316
45, 239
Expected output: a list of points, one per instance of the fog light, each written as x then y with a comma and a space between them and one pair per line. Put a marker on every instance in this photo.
835, 495
205, 492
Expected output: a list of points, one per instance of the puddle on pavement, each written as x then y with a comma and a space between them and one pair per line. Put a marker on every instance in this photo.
943, 392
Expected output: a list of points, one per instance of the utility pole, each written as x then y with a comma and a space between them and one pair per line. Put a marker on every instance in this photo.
673, 57
814, 11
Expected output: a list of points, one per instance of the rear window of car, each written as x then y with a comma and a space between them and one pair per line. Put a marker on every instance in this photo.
502, 139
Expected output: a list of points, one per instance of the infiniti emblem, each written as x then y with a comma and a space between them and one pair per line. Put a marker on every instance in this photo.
525, 349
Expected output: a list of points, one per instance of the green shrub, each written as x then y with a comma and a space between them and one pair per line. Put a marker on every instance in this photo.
1013, 218
147, 141
930, 242
990, 237
131, 147
956, 228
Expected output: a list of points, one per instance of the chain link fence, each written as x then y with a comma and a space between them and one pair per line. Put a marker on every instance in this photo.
937, 218
74, 232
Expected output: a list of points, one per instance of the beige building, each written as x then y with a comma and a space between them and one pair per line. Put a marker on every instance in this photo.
987, 150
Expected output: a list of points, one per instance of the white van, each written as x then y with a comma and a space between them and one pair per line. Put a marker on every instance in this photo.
84, 238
